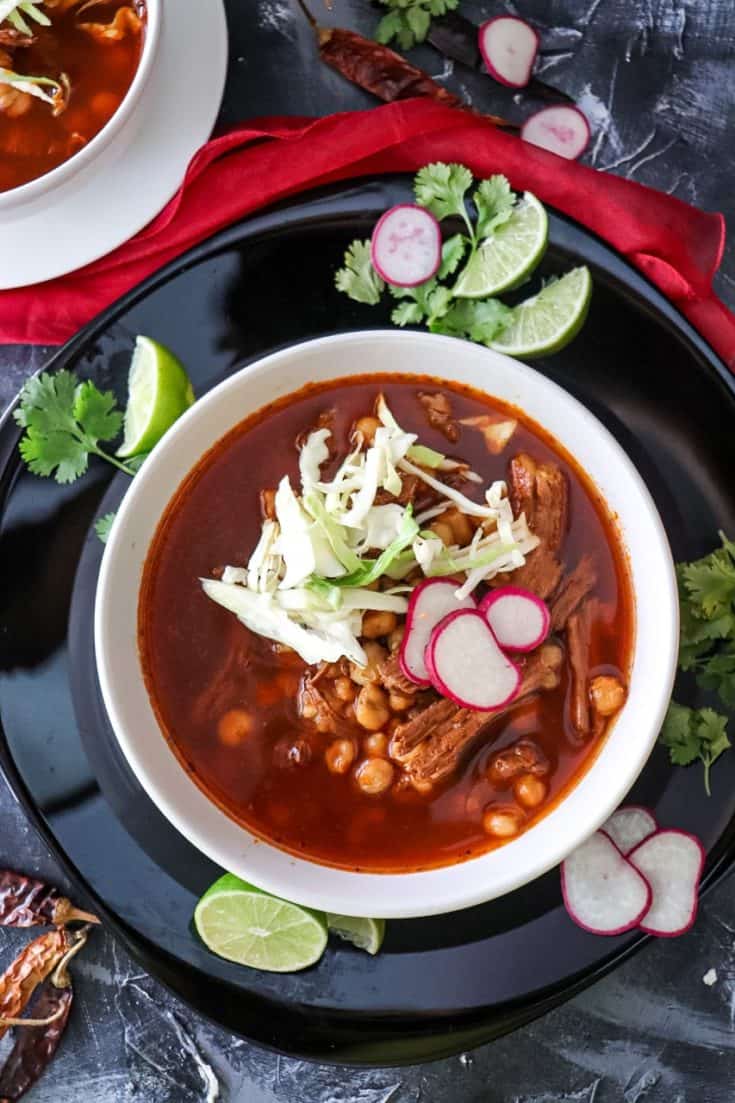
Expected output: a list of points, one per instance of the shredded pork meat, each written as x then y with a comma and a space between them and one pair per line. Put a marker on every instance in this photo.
578, 645
438, 411
540, 492
572, 591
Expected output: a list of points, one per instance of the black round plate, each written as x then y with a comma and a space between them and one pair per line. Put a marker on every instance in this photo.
440, 985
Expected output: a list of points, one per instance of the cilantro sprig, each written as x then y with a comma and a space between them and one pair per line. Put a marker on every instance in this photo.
445, 190
695, 734
707, 650
65, 423
408, 21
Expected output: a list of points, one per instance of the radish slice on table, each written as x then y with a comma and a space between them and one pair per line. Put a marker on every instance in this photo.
509, 47
602, 891
466, 664
562, 130
519, 620
630, 826
430, 602
671, 862
406, 246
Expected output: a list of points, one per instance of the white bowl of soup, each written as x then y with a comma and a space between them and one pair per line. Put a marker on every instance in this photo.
89, 65
269, 756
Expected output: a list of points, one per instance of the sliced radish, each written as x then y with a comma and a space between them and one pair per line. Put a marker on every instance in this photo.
519, 619
406, 245
509, 47
671, 862
466, 664
630, 826
430, 602
602, 891
563, 130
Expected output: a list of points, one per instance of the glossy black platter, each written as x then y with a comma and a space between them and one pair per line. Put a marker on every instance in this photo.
440, 985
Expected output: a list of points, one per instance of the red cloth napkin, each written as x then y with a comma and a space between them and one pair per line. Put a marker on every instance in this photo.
676, 246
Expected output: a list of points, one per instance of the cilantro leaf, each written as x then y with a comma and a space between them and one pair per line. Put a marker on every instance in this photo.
480, 320
441, 188
709, 583
64, 421
494, 202
390, 27
691, 734
407, 314
453, 250
409, 21
54, 450
430, 300
103, 525
419, 21
358, 279
96, 412
47, 402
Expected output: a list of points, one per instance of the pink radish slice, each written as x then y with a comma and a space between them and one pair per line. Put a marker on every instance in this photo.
519, 620
671, 862
406, 246
430, 602
466, 664
509, 47
562, 130
602, 891
629, 826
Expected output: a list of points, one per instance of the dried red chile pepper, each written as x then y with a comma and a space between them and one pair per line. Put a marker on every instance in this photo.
26, 902
36, 1045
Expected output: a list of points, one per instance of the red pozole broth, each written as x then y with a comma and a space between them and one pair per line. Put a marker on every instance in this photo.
96, 49
271, 774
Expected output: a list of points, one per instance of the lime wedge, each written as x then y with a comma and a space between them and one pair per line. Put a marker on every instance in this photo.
158, 393
366, 934
505, 259
548, 321
239, 922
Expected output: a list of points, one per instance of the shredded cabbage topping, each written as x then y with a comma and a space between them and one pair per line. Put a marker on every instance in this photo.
306, 584
14, 10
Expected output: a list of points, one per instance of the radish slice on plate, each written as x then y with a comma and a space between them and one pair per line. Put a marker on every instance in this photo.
602, 891
466, 664
406, 246
509, 47
630, 826
519, 620
671, 862
562, 130
430, 602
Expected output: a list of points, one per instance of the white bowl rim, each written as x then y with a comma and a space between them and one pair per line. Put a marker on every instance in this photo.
56, 176
446, 888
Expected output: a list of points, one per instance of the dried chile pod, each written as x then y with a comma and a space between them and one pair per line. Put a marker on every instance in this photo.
34, 963
378, 69
35, 1046
27, 902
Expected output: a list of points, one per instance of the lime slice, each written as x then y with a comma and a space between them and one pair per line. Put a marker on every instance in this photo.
239, 922
548, 321
366, 934
511, 254
158, 393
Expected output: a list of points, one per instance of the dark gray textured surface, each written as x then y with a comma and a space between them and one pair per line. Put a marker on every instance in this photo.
655, 78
